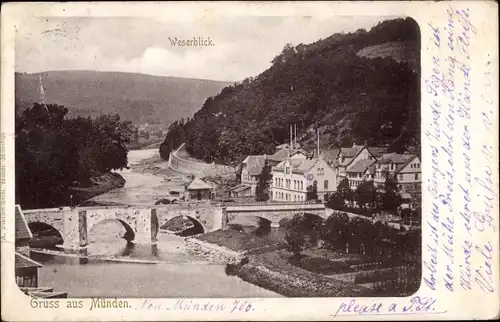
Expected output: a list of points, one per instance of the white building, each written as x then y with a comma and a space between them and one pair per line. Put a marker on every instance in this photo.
253, 164
292, 177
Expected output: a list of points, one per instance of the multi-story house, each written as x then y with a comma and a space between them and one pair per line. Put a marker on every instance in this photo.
253, 164
348, 157
405, 168
357, 173
292, 177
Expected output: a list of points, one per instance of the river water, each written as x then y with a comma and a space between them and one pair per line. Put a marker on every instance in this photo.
179, 275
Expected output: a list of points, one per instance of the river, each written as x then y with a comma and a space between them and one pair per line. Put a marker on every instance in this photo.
179, 275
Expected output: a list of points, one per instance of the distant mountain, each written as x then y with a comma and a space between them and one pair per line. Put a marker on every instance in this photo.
138, 98
360, 87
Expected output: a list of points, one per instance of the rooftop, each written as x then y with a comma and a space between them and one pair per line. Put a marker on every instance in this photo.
22, 229
361, 166
377, 151
330, 154
255, 163
198, 184
22, 261
351, 152
299, 165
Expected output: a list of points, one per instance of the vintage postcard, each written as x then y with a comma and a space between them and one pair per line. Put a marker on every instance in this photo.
249, 161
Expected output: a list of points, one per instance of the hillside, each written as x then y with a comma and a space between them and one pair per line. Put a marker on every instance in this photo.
360, 87
138, 98
400, 51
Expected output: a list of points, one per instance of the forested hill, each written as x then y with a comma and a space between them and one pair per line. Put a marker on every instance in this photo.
138, 98
330, 84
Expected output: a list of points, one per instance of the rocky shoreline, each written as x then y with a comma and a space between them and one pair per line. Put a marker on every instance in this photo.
290, 282
214, 253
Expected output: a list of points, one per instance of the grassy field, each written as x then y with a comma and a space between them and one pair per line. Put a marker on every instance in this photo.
238, 241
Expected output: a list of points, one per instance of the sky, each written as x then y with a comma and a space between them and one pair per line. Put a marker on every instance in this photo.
242, 46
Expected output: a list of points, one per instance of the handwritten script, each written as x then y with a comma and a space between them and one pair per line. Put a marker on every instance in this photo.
458, 252
415, 305
229, 306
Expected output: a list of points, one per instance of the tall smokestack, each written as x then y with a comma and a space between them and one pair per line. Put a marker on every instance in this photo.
295, 134
291, 137
317, 133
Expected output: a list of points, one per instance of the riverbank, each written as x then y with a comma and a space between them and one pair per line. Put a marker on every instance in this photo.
100, 185
317, 272
120, 259
154, 165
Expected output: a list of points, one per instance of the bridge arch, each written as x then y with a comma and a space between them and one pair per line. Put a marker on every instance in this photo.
45, 235
129, 234
198, 227
255, 224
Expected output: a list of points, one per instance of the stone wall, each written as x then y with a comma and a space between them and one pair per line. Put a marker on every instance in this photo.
214, 253
183, 165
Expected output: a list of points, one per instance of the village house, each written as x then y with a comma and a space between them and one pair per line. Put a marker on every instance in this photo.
291, 178
356, 173
348, 157
199, 190
406, 169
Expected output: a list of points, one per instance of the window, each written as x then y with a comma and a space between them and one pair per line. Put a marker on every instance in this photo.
287, 170
416, 176
295, 184
326, 184
401, 177
301, 185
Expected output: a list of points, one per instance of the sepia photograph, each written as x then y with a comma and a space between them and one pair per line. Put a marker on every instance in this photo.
252, 157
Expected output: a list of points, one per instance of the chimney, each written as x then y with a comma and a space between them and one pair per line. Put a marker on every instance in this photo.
295, 133
317, 133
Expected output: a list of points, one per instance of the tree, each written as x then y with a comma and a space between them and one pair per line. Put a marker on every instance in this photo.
312, 191
391, 199
344, 191
265, 179
335, 201
54, 154
295, 237
366, 194
334, 231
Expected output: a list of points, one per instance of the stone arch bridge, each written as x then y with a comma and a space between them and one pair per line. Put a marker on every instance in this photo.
142, 223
